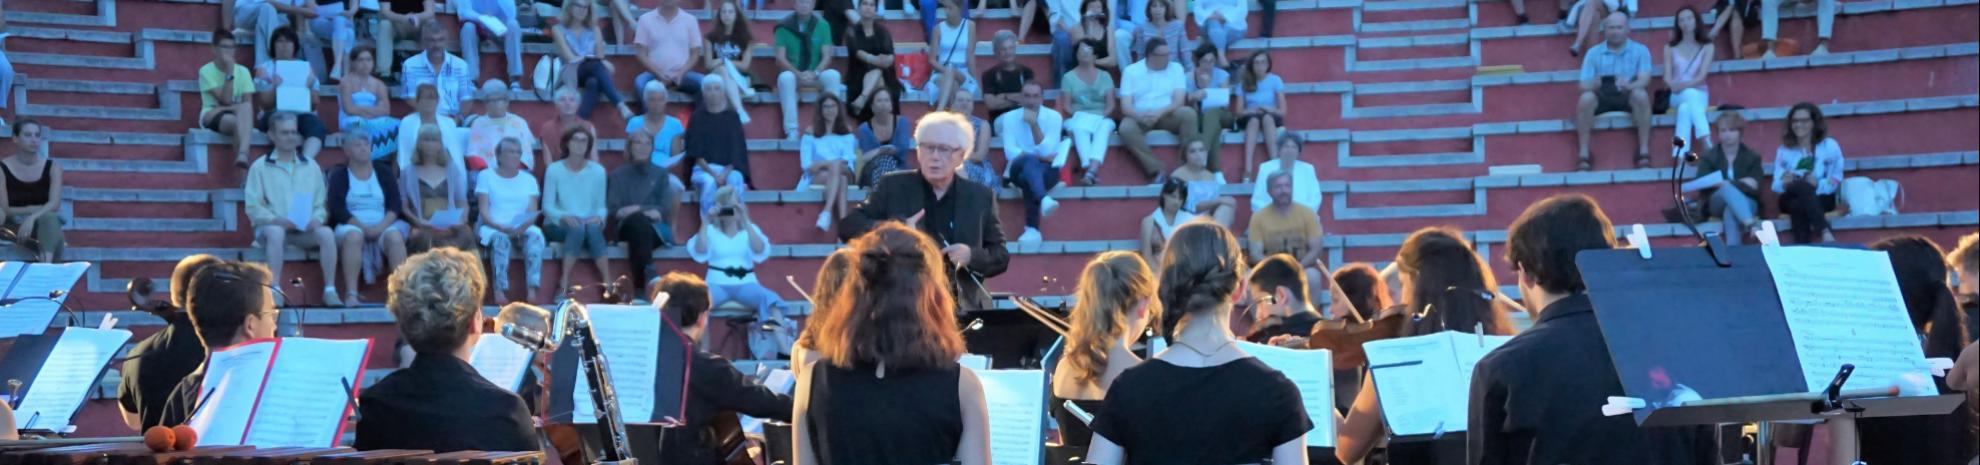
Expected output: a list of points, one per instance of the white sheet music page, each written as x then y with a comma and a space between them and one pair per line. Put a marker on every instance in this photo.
304, 402
630, 338
234, 376
1016, 402
1313, 372
500, 360
1419, 383
66, 376
24, 280
1843, 306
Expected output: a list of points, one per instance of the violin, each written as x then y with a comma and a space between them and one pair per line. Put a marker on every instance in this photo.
1344, 337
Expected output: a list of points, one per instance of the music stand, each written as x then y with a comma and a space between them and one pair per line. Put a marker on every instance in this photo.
670, 385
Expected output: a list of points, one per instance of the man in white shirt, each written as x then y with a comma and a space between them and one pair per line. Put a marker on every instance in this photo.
1031, 136
1152, 98
447, 73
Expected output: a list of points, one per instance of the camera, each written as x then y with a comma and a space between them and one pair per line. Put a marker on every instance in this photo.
725, 211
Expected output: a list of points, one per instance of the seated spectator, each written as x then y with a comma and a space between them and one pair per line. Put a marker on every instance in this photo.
666, 43
1152, 98
479, 16
731, 48
638, 196
1770, 23
436, 183
716, 150
954, 47
884, 143
1169, 213
1283, 226
1586, 15
1223, 24
1734, 195
733, 246
1204, 196
1157, 20
870, 64
1738, 15
1091, 24
224, 88
1305, 179
576, 36
1261, 108
364, 108
508, 198
426, 112
487, 131
364, 202
1031, 140
1687, 63
977, 166
554, 128
623, 21
1003, 83
400, 19
1613, 78
574, 207
277, 185
1808, 171
32, 199
1211, 114
447, 73
265, 16
804, 59
283, 48
827, 152
1087, 93
665, 146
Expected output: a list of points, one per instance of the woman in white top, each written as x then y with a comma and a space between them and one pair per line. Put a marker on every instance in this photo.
509, 198
827, 151
364, 203
732, 246
1169, 214
574, 204
426, 112
1202, 193
1687, 60
954, 47
1808, 170
1306, 181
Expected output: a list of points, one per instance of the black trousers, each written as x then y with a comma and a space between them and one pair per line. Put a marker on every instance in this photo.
640, 238
1807, 210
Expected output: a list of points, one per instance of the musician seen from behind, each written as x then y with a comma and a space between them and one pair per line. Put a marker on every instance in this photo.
715, 386
960, 215
1115, 301
440, 403
156, 364
229, 303
1278, 292
825, 292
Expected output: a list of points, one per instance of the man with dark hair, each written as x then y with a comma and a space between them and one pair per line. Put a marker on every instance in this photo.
1535, 400
1278, 291
714, 385
156, 364
228, 303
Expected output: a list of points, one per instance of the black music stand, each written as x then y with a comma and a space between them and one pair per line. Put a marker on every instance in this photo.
1012, 339
670, 386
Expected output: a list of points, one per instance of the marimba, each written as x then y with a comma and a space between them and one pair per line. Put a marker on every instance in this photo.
126, 452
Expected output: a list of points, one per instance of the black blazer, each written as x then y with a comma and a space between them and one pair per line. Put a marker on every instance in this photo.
441, 404
717, 387
900, 194
339, 186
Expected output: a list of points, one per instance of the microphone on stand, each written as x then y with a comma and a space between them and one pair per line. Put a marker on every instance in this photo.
55, 296
1711, 241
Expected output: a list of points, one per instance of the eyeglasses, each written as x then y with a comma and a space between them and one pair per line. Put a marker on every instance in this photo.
939, 149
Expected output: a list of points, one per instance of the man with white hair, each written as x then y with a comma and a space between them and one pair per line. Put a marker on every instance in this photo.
959, 214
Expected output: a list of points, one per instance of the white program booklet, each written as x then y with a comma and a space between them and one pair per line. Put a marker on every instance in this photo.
295, 94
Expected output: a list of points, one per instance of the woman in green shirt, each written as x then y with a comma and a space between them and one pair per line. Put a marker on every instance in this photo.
1087, 94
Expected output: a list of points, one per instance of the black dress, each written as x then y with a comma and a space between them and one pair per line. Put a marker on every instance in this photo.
879, 43
1161, 413
441, 404
155, 366
907, 418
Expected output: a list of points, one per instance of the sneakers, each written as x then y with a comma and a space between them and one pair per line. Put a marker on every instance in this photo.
1046, 206
1030, 236
330, 298
1768, 56
1820, 50
825, 221
515, 86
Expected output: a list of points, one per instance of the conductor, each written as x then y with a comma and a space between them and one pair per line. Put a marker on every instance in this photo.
959, 214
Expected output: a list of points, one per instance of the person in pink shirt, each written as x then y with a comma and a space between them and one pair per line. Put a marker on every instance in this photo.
667, 41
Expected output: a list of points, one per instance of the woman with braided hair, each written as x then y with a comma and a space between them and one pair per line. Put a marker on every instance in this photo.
1116, 300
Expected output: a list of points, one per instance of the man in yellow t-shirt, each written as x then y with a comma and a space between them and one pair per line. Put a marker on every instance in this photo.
1284, 227
224, 106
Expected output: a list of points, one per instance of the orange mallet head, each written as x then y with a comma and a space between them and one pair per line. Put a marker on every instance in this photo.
186, 437
159, 439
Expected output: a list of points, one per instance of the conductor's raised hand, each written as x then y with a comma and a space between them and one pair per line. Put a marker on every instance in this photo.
957, 253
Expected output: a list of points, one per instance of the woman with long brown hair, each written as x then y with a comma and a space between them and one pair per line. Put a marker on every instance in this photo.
824, 292
887, 389
1116, 300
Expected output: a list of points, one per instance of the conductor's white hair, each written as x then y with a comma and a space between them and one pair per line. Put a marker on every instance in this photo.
960, 122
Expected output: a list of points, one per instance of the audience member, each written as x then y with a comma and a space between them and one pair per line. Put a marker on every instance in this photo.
977, 167
1734, 196
1203, 194
1159, 20
1808, 172
1168, 214
265, 16
333, 21
488, 130
717, 386
716, 149
1281, 300
32, 199
804, 59
440, 403
554, 128
840, 14
155, 364
436, 191
228, 303
1305, 179
283, 48
508, 201
665, 147
498, 19
881, 391
1152, 97
871, 65
363, 105
1737, 15
224, 88
577, 38
954, 46
1613, 79
574, 208
1211, 113
1262, 109
1003, 83
1092, 25
733, 246
1687, 63
666, 45
1921, 271
623, 21
1116, 300
426, 113
962, 216
1223, 23
884, 142
638, 196
827, 152
447, 73
1590, 14
1031, 140
1284, 227
1204, 400
1088, 95
730, 50
397, 19
1770, 23
1965, 263
364, 203
284, 189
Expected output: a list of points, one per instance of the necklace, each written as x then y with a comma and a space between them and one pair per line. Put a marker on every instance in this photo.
1192, 348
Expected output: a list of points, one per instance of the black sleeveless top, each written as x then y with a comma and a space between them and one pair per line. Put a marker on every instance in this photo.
20, 193
907, 418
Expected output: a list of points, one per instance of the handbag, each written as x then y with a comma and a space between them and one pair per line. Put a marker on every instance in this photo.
1866, 197
913, 68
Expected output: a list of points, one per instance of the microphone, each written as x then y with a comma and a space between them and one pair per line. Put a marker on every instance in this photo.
54, 296
532, 340
973, 325
531, 326
1710, 240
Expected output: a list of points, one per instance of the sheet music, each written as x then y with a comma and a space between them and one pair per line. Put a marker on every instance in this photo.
974, 362
302, 208
1016, 402
780, 381
630, 338
303, 403
447, 218
493, 25
1216, 97
33, 316
234, 376
66, 377
295, 93
500, 361
1843, 306
1424, 382
1313, 372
